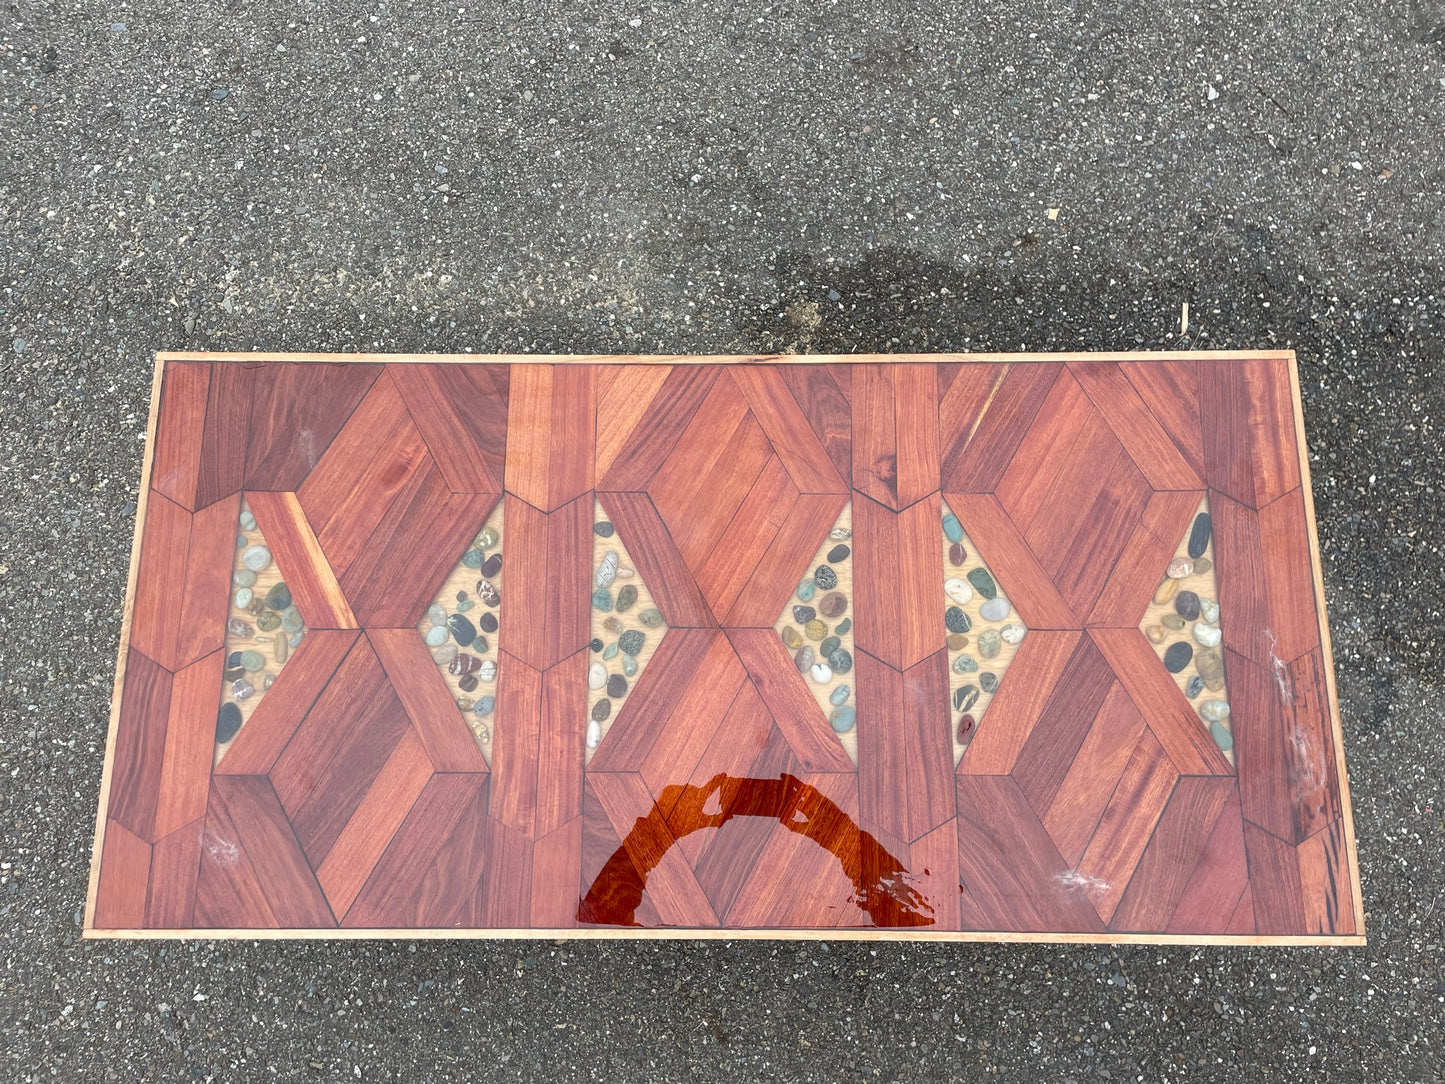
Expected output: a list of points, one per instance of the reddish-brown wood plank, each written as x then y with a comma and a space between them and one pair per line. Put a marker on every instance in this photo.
609, 879
253, 873
462, 415
176, 459
1219, 878
1127, 592
657, 692
905, 757
567, 616
277, 714
125, 866
788, 700
526, 548
1246, 411
201, 619
671, 884
190, 738
667, 416
551, 427
898, 607
222, 464
1048, 451
1033, 674
746, 540
516, 746
556, 870
428, 702
296, 411
156, 604
1284, 744
433, 861
702, 709
1327, 892
974, 462
659, 565
1173, 852
964, 394
1074, 813
1058, 734
824, 401
624, 395
1247, 617
561, 741
503, 899
1242, 922
175, 865
787, 428
1170, 716
788, 558
1014, 877
1284, 539
1276, 890
1170, 391
1143, 436
364, 837
1020, 575
137, 756
301, 561
875, 438
895, 449
915, 406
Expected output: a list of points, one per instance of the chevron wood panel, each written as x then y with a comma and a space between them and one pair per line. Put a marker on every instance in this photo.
666, 754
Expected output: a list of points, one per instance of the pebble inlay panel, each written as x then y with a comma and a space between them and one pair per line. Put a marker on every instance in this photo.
627, 626
983, 632
263, 627
1182, 623
816, 627
460, 628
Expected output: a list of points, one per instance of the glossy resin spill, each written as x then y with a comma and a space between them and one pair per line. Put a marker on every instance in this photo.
263, 627
1183, 625
982, 628
462, 625
816, 627
627, 628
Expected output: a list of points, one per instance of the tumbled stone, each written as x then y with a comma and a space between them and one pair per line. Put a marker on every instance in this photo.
1209, 610
279, 597
295, 640
815, 629
982, 582
824, 578
965, 729
1179, 567
606, 570
1186, 605
626, 597
995, 609
256, 607
488, 538
629, 665
964, 697
473, 558
610, 651
955, 620
594, 734
803, 658
838, 553
445, 654
792, 638
256, 558
625, 573
487, 622
631, 642
958, 590
243, 598
952, 529
1221, 736
241, 689
990, 643
833, 605
1206, 635
1194, 687
228, 722
840, 534
844, 626
234, 673
957, 641
247, 521
1202, 565
612, 624
280, 650
1215, 711
988, 681
965, 664
491, 566
1177, 657
602, 599
651, 617
839, 695
465, 605
1013, 633
267, 680
843, 718
596, 676
1165, 591
251, 661
601, 710
957, 554
268, 621
236, 627
1199, 535
803, 614
821, 673
291, 619
488, 670
829, 645
468, 683
480, 644
616, 686
464, 703
806, 589
1173, 621
485, 705
603, 529
463, 664
839, 660
436, 613
243, 577
1155, 634
1209, 664
462, 630
594, 645
488, 594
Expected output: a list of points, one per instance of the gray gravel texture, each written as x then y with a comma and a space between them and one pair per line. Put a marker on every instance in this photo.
695, 177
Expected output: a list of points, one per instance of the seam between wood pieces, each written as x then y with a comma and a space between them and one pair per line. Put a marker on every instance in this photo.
722, 359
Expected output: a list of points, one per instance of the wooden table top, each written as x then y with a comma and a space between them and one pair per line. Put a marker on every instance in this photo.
1005, 647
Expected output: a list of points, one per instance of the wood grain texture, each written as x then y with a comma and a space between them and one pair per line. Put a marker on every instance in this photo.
667, 416
975, 462
656, 694
897, 603
785, 694
624, 396
820, 394
1140, 566
905, 757
1035, 671
1169, 388
1246, 415
1144, 437
787, 429
556, 872
190, 733
221, 467
461, 414
1276, 890
774, 575
175, 866
551, 426
895, 455
301, 561
139, 746
1021, 576
1047, 450
516, 747
427, 701
659, 564
964, 394
567, 615
561, 741
176, 456
125, 867
1325, 881
296, 411
1220, 876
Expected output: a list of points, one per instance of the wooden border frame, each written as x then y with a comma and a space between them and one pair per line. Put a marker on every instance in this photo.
90, 932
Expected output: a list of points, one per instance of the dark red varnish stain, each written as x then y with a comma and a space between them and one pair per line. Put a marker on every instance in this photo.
880, 884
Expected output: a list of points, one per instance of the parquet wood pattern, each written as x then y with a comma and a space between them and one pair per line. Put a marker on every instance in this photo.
1092, 802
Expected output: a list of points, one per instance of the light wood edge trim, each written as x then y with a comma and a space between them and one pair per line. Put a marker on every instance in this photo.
259, 356
1346, 807
863, 933
141, 503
